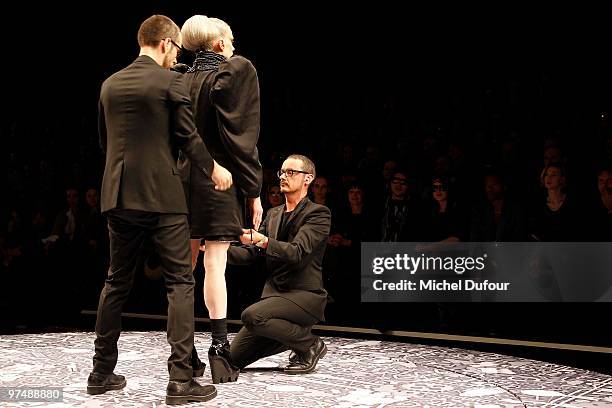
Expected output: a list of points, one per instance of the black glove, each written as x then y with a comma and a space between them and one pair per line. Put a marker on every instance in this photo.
182, 68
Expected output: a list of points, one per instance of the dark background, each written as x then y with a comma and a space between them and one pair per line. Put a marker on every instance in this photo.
356, 76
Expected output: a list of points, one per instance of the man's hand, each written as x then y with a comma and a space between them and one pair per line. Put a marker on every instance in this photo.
221, 177
256, 211
251, 237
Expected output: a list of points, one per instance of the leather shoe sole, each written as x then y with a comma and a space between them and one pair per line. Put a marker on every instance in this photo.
101, 389
185, 399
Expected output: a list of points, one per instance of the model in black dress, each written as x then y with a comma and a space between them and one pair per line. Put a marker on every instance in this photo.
225, 94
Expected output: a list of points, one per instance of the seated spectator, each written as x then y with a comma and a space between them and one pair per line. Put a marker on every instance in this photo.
446, 220
497, 217
320, 193
554, 217
351, 224
403, 213
68, 224
94, 225
273, 198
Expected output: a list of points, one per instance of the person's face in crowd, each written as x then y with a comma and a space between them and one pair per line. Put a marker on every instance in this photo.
553, 179
295, 182
173, 53
274, 196
228, 44
91, 197
439, 191
355, 196
609, 192
494, 189
320, 187
602, 179
388, 168
72, 197
399, 186
552, 155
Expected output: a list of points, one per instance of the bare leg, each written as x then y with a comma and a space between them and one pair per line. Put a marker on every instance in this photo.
215, 297
215, 291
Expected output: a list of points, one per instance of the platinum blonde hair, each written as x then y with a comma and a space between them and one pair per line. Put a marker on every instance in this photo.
200, 32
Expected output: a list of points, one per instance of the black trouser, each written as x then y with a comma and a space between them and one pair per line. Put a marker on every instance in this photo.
169, 233
271, 326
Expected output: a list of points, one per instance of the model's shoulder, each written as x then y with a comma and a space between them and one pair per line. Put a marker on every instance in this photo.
237, 63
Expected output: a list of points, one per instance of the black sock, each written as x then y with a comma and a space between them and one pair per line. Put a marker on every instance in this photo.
219, 330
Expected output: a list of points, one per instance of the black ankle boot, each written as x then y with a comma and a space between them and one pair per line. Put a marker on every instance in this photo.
221, 367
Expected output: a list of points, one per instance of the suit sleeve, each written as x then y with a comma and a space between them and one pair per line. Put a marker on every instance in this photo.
184, 131
102, 127
314, 231
235, 95
247, 255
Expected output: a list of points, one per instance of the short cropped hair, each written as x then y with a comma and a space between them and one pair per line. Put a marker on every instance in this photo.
309, 166
156, 28
200, 32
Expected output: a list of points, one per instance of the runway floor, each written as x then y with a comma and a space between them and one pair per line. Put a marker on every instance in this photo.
354, 373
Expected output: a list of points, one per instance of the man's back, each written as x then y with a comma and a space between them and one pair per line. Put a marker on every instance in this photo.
145, 116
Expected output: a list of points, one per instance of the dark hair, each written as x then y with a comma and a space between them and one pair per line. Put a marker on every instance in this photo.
309, 166
354, 184
156, 28
441, 179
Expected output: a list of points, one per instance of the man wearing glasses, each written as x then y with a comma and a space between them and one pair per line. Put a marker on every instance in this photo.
145, 118
292, 240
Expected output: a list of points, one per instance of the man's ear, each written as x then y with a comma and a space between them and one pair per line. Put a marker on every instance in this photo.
165, 46
308, 179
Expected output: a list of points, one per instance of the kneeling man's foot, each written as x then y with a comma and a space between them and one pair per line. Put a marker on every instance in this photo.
304, 363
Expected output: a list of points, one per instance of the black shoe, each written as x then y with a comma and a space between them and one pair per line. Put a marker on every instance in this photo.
100, 383
197, 364
179, 392
221, 367
306, 362
293, 357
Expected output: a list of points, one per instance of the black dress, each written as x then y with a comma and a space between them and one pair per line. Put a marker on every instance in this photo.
225, 97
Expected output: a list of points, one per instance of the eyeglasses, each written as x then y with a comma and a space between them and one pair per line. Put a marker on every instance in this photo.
439, 188
290, 172
179, 49
399, 181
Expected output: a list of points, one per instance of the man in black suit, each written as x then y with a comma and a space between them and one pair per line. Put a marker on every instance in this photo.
292, 239
145, 119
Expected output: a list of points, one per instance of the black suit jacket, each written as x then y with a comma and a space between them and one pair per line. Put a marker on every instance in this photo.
145, 117
294, 262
